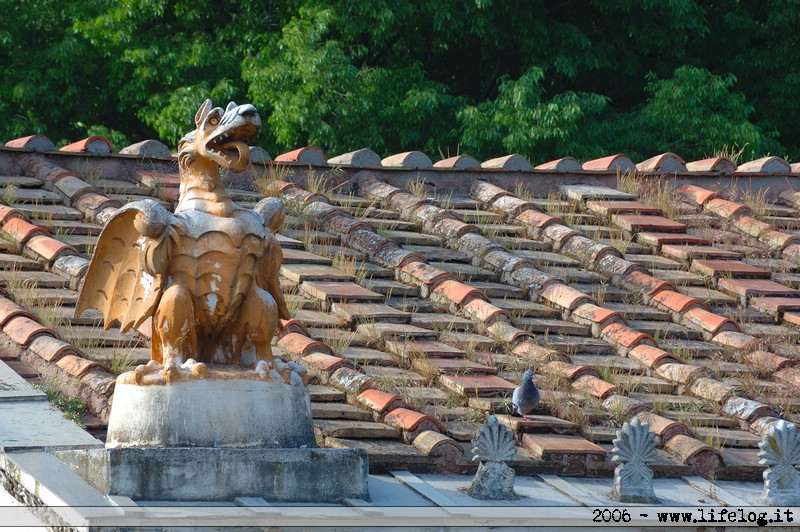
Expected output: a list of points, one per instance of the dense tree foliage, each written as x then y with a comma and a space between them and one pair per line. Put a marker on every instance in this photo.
543, 78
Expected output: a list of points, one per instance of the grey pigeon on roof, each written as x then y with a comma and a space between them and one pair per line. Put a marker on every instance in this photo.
526, 396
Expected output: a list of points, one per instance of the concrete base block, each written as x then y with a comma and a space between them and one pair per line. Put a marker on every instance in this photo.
213, 474
228, 409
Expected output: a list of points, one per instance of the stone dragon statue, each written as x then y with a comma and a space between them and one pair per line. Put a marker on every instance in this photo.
208, 273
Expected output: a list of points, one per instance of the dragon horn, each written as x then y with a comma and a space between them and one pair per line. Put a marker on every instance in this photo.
202, 112
231, 105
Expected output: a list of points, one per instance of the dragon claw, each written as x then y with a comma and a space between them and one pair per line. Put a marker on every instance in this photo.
170, 373
262, 368
200, 370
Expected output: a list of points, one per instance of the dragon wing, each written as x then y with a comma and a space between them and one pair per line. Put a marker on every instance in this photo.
125, 276
273, 212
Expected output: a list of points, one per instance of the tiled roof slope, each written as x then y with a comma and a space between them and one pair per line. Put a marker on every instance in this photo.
420, 292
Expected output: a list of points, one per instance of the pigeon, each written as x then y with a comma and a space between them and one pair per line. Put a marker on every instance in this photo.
526, 396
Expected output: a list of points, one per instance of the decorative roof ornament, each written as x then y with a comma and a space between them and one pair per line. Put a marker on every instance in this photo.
494, 480
634, 447
207, 274
780, 449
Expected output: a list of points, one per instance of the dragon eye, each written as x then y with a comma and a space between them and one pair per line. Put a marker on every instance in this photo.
214, 121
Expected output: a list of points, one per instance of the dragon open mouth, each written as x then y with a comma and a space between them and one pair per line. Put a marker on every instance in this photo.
230, 147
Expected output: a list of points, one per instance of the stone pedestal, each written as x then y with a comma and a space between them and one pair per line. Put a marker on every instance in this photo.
231, 434
214, 412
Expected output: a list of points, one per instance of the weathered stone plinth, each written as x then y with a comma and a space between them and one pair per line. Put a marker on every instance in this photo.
212, 474
228, 409
234, 433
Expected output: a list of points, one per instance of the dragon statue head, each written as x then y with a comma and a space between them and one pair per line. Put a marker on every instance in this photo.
222, 136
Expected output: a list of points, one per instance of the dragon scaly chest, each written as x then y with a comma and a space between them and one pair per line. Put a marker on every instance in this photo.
216, 258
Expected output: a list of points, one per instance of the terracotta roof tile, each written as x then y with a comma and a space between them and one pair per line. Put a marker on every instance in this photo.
697, 194
380, 401
766, 165
569, 370
636, 223
7, 213
726, 209
558, 234
456, 291
409, 159
733, 339
729, 268
623, 335
565, 164
721, 165
363, 158
324, 362
463, 162
709, 322
299, 344
664, 428
676, 302
75, 365
641, 281
306, 155
23, 330
650, 356
620, 163
10, 310
769, 362
32, 142
409, 420
604, 208
565, 296
477, 385
757, 287
45, 170
425, 274
22, 230
666, 162
51, 349
703, 459
484, 312
95, 144
508, 162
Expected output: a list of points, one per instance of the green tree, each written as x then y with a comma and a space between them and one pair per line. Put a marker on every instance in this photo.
544, 78
694, 114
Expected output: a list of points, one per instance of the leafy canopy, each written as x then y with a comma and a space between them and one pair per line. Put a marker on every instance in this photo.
542, 78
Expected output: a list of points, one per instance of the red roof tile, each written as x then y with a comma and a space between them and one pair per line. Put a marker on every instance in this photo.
406, 419
565, 296
725, 208
75, 365
23, 330
301, 345
699, 195
677, 302
508, 162
621, 334
32, 142
459, 161
565, 164
618, 162
94, 144
380, 401
650, 356
22, 230
306, 155
666, 162
456, 291
721, 165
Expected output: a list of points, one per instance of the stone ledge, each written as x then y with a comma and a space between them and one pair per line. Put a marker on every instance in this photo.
213, 474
